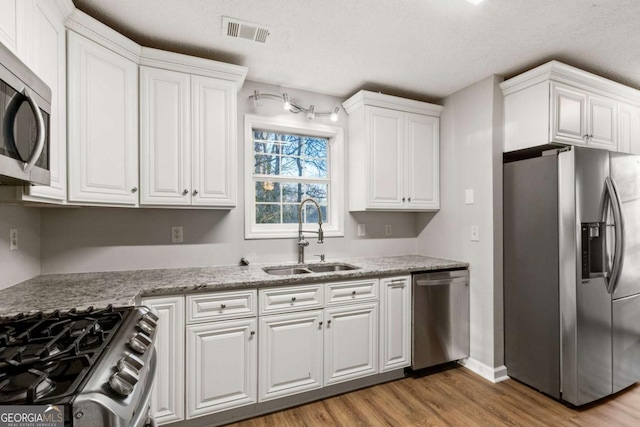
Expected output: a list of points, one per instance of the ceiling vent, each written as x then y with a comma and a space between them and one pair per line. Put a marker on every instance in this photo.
233, 27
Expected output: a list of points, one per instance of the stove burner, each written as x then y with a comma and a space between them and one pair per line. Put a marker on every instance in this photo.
26, 386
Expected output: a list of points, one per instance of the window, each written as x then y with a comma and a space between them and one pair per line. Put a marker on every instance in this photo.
286, 163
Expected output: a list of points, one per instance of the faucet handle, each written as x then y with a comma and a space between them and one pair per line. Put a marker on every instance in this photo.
321, 257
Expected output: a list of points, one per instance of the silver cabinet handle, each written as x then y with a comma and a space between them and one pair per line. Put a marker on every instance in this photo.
134, 189
195, 192
41, 131
185, 192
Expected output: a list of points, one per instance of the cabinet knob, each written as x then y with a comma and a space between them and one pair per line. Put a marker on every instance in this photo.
320, 323
195, 192
293, 298
403, 199
253, 333
329, 322
185, 192
409, 198
134, 189
223, 306
353, 292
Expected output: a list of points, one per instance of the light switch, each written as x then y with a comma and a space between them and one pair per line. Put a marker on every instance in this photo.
468, 196
475, 233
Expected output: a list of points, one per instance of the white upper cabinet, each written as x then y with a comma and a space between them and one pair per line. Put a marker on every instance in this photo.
628, 128
188, 133
48, 61
165, 137
13, 23
556, 103
103, 124
394, 159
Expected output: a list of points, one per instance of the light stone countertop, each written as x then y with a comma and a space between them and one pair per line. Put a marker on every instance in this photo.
120, 288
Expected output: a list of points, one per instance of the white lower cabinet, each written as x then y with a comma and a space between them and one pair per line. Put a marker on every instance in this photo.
221, 366
351, 342
395, 323
222, 351
290, 354
167, 397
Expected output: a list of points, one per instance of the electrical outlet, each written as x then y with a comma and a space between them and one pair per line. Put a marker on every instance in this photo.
13, 239
176, 234
362, 230
475, 233
387, 229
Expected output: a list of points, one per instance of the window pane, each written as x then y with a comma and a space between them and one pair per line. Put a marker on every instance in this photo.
290, 214
267, 191
292, 145
267, 214
307, 168
293, 192
316, 147
266, 164
311, 213
266, 147
318, 192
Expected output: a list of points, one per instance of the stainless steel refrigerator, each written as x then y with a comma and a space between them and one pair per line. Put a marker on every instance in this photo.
572, 271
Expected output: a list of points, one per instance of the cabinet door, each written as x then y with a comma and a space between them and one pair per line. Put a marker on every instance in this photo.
103, 124
350, 342
13, 26
49, 63
628, 128
395, 323
214, 142
167, 397
221, 368
385, 134
165, 137
422, 162
602, 124
290, 354
568, 115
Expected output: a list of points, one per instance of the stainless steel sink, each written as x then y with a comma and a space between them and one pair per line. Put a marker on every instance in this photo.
324, 268
310, 268
285, 271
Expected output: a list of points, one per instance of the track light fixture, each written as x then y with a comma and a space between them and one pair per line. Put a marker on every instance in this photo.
293, 107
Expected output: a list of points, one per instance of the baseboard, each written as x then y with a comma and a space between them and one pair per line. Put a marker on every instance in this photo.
495, 375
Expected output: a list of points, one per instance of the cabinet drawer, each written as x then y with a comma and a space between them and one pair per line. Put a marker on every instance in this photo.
221, 305
276, 300
345, 292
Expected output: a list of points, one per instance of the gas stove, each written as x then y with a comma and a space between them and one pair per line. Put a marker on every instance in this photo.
98, 365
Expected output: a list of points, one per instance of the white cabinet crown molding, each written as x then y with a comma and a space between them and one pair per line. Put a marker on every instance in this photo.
563, 73
376, 99
193, 65
100, 33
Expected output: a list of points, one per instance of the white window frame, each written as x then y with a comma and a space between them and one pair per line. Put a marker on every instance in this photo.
336, 175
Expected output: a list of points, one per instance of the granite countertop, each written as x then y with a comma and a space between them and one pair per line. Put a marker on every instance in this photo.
81, 290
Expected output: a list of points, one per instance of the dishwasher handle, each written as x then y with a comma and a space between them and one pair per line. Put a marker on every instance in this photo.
440, 282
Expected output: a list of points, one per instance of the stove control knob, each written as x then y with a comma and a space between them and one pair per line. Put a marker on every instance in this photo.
123, 381
145, 327
140, 342
150, 318
131, 361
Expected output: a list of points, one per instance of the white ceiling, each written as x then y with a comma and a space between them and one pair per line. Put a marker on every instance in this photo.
426, 49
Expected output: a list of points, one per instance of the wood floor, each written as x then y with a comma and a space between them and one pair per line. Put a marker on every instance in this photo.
455, 397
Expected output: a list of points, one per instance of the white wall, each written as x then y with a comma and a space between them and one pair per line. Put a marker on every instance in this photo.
471, 158
108, 239
23, 263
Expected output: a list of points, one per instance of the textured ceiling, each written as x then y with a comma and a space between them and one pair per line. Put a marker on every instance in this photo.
425, 49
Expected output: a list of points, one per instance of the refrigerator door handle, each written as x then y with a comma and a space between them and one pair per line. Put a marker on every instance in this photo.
618, 256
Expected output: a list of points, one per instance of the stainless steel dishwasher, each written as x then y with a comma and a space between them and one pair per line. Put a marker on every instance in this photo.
440, 317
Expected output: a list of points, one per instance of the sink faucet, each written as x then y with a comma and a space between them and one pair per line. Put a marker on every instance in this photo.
301, 242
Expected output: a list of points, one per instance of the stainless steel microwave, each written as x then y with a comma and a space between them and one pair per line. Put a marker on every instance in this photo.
25, 109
